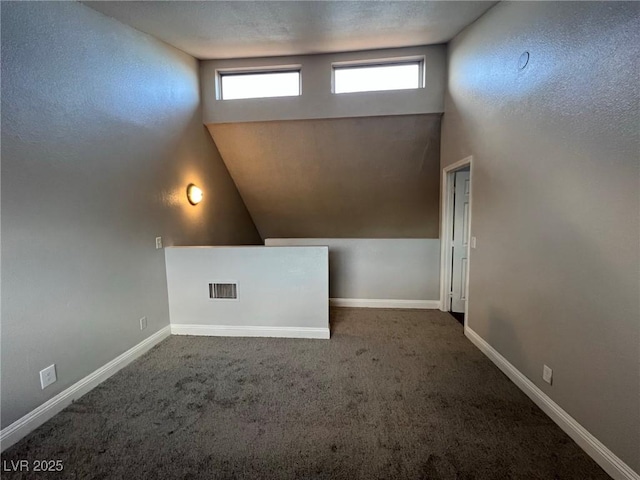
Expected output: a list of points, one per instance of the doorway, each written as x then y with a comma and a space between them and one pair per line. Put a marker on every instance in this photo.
456, 239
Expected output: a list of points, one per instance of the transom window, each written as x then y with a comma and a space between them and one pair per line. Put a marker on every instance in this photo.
377, 77
234, 86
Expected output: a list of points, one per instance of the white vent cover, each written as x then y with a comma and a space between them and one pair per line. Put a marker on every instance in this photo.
223, 290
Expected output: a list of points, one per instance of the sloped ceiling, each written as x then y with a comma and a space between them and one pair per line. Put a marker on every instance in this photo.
371, 177
240, 29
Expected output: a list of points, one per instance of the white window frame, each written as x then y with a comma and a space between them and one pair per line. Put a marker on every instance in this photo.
221, 72
383, 62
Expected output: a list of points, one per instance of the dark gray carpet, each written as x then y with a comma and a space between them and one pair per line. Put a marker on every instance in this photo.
395, 394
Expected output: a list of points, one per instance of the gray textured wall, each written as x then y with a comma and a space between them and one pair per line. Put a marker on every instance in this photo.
101, 132
373, 177
379, 268
554, 278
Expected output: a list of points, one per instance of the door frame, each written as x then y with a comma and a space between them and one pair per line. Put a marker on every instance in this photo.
446, 230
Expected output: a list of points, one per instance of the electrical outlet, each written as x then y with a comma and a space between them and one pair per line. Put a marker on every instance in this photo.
143, 323
547, 374
48, 376
158, 242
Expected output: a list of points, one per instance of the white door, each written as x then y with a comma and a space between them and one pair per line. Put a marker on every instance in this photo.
460, 242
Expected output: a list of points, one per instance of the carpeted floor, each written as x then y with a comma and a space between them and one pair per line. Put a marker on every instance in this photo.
395, 394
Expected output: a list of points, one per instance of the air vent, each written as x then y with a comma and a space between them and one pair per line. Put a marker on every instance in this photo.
223, 290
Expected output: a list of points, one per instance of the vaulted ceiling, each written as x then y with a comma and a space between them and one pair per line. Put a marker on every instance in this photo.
240, 29
369, 177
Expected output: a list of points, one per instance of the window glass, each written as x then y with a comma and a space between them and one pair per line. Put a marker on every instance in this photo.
370, 78
259, 85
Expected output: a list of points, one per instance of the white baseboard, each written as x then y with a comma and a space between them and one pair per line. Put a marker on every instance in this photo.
249, 331
609, 462
384, 303
32, 420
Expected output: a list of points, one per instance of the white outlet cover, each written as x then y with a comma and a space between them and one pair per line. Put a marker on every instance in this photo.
547, 374
48, 376
473, 242
158, 242
143, 323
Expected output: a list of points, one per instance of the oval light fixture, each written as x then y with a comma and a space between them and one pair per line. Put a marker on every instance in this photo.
194, 194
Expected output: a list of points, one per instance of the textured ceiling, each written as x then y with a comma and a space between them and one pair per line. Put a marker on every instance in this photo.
372, 177
233, 29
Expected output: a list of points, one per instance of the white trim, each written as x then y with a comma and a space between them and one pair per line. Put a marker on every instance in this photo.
590, 444
446, 227
384, 303
32, 420
249, 331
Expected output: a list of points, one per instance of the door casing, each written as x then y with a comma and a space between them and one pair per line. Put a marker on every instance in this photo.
446, 231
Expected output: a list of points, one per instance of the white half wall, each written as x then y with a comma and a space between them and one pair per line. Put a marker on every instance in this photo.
282, 292
384, 270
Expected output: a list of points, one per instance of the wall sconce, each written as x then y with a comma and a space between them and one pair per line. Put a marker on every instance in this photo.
194, 194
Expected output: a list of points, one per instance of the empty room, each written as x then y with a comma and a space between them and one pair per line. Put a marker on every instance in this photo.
320, 240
